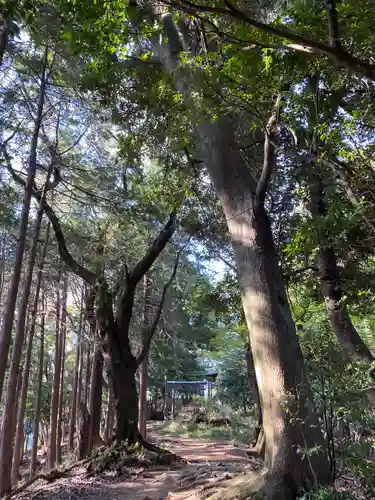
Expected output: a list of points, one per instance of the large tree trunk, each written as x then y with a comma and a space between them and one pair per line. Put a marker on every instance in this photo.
290, 423
143, 376
38, 391
55, 386
7, 325
26, 372
60, 420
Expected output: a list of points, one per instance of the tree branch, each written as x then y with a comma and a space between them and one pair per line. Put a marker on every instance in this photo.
125, 303
153, 251
269, 158
300, 43
75, 267
155, 322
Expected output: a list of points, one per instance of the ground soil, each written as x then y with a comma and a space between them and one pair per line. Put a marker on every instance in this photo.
208, 464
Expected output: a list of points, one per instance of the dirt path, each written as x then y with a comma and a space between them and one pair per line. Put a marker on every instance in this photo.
207, 462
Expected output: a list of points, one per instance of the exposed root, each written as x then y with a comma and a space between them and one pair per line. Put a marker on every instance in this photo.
250, 485
49, 477
121, 458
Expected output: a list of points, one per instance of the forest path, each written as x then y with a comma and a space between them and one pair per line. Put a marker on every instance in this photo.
208, 462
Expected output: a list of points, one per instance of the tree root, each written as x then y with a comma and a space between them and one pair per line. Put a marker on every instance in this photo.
49, 477
250, 485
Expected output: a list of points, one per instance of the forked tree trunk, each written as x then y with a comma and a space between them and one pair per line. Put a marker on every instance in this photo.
55, 386
291, 427
60, 420
143, 376
38, 392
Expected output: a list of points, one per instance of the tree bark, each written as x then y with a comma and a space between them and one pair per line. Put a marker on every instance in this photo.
253, 388
289, 422
143, 385
26, 372
55, 386
76, 380
10, 415
7, 325
95, 407
108, 432
60, 419
87, 374
38, 392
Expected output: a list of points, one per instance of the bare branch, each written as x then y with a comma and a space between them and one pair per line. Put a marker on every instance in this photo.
300, 43
154, 251
75, 267
159, 310
269, 159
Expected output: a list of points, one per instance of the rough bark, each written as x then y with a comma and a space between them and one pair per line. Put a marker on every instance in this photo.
10, 415
253, 388
86, 391
95, 406
143, 376
26, 372
6, 331
277, 357
84, 431
108, 431
55, 386
38, 392
289, 422
60, 418
76, 379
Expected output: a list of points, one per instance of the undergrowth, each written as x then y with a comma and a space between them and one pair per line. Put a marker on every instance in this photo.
240, 429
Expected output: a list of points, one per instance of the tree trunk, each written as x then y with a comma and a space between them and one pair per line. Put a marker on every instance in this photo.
26, 372
274, 344
80, 376
84, 431
253, 388
143, 385
289, 422
7, 325
329, 274
108, 432
96, 389
10, 415
38, 392
76, 380
55, 387
4, 38
87, 374
60, 421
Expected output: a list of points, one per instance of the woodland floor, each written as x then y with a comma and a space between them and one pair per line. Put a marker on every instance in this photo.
208, 462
